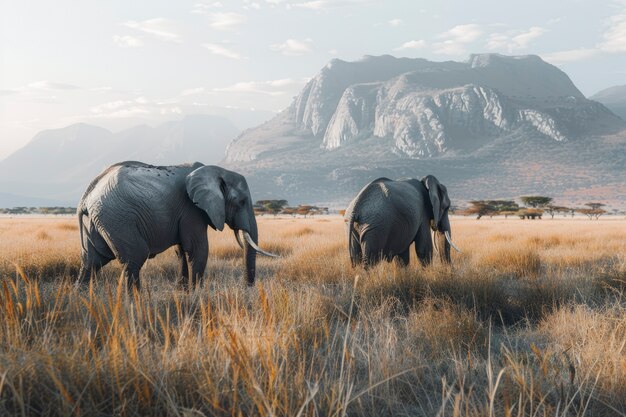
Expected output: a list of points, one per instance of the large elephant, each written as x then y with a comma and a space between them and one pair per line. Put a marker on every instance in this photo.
387, 216
134, 211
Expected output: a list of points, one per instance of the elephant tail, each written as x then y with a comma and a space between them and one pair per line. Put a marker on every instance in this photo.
354, 244
80, 212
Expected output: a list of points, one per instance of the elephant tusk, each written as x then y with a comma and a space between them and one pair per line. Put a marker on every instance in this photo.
238, 238
256, 248
450, 242
434, 238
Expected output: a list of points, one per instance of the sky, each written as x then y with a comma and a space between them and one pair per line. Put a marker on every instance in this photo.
118, 63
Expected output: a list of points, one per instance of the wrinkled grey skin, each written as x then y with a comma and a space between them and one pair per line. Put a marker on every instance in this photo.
134, 211
387, 216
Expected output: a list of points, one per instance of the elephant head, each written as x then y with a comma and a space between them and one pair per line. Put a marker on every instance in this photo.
225, 198
440, 222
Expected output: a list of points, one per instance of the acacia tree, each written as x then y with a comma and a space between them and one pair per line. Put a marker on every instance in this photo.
306, 210
271, 206
594, 212
480, 208
536, 201
552, 210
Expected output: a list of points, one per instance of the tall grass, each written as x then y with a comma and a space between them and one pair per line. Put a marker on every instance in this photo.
529, 320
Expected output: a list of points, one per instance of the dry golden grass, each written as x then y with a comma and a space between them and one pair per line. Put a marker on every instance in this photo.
529, 320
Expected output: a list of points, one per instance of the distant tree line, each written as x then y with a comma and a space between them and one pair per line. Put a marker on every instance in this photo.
276, 207
38, 210
533, 207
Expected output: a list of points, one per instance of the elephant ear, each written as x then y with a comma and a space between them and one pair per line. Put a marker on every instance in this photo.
434, 191
205, 188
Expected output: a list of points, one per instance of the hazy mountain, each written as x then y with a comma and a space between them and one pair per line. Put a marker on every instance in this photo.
614, 98
494, 126
57, 164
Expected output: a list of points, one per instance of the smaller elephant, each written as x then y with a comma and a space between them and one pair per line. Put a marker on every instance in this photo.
387, 216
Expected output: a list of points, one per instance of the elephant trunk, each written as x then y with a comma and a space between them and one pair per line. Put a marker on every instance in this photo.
444, 247
249, 252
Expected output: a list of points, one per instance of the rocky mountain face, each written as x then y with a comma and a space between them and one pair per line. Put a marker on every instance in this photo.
402, 116
58, 164
614, 98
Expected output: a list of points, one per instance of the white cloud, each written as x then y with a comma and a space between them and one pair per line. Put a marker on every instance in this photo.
271, 88
140, 106
39, 87
159, 27
514, 40
50, 86
320, 4
561, 57
293, 47
333, 51
415, 44
216, 49
456, 39
193, 91
203, 8
226, 21
614, 39
393, 23
127, 41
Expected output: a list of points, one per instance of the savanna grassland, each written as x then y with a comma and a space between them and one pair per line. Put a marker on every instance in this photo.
529, 320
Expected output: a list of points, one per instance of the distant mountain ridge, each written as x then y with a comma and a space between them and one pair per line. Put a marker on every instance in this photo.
57, 164
492, 127
431, 108
467, 121
613, 98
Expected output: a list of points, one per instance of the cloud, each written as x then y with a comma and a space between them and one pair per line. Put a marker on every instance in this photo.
320, 4
127, 41
272, 88
393, 23
220, 50
456, 39
571, 55
51, 86
416, 44
159, 27
614, 39
203, 8
293, 47
193, 91
38, 87
140, 106
514, 40
226, 21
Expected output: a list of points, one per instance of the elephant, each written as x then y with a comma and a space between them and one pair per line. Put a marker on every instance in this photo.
133, 211
387, 216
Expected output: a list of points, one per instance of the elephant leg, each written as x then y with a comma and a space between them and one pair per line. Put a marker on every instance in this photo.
94, 256
131, 273
404, 257
354, 247
183, 277
424, 245
372, 252
196, 247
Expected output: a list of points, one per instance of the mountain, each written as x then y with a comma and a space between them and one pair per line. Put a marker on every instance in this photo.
493, 126
58, 164
613, 98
